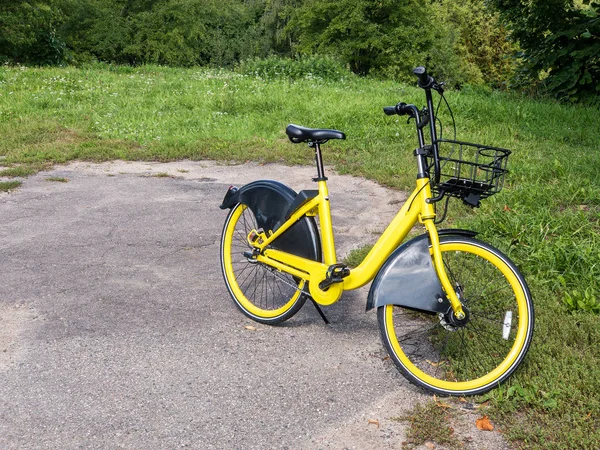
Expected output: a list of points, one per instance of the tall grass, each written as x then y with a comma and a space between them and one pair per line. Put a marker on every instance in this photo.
547, 218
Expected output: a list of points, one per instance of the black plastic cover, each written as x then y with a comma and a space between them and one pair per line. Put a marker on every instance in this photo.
270, 201
408, 278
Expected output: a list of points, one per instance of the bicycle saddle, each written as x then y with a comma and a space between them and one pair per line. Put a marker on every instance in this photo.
299, 134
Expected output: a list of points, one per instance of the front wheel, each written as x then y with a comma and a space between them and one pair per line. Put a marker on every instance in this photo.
471, 356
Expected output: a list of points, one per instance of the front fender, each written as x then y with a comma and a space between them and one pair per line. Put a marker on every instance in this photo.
408, 278
270, 201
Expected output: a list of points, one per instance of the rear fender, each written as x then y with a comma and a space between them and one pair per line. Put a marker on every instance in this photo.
408, 278
270, 202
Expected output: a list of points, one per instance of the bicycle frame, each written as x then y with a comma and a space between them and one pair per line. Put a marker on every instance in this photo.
418, 208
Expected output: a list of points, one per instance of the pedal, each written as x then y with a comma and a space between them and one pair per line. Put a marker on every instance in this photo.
251, 255
335, 274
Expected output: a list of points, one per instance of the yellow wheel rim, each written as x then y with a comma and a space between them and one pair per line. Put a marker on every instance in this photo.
506, 364
232, 281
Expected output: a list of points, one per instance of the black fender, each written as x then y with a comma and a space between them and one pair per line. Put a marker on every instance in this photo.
408, 277
270, 202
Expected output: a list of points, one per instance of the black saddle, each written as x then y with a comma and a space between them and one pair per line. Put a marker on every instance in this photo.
299, 134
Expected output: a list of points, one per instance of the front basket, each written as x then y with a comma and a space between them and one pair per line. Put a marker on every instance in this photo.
470, 171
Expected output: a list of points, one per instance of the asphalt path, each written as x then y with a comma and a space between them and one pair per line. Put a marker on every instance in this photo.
116, 329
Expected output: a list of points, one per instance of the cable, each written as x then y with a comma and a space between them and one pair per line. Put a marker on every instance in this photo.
451, 114
445, 211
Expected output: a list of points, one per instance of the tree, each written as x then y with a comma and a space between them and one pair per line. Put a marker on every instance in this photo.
560, 42
472, 45
383, 37
191, 32
96, 30
29, 32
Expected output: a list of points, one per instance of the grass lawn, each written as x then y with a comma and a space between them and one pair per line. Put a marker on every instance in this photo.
547, 218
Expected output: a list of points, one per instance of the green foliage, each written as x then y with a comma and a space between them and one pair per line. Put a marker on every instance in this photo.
385, 39
311, 67
271, 25
585, 300
191, 32
372, 36
29, 32
96, 30
471, 45
560, 42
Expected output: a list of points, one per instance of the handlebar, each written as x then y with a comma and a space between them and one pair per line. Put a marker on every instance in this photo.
423, 118
425, 80
401, 109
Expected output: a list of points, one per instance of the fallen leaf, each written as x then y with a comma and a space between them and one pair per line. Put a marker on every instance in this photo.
434, 364
462, 400
373, 422
440, 403
429, 445
250, 327
484, 424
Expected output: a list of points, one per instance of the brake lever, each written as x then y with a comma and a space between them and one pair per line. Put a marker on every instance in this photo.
424, 118
439, 87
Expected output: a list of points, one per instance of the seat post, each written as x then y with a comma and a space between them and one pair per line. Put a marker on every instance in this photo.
319, 159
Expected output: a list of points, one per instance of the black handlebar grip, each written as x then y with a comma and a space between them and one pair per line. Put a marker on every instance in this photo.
397, 109
425, 81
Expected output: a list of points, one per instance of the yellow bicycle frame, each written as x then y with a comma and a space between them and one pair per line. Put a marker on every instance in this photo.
416, 209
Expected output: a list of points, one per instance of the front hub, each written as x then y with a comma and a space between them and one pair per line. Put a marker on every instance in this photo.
451, 322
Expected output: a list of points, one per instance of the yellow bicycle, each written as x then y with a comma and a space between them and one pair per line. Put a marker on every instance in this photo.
455, 314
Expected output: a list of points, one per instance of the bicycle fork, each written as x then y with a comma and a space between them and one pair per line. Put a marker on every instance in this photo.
427, 218
438, 263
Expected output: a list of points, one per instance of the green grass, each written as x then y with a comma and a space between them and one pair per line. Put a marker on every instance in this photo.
7, 186
20, 171
430, 422
547, 218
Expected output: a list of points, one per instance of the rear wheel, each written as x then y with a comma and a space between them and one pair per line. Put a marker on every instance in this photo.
452, 357
262, 293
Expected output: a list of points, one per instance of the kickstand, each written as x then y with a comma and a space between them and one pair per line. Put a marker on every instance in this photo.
319, 310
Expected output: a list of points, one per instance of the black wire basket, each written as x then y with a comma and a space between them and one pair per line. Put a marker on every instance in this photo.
470, 171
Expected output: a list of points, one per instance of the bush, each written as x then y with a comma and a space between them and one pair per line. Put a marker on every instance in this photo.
472, 45
383, 37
